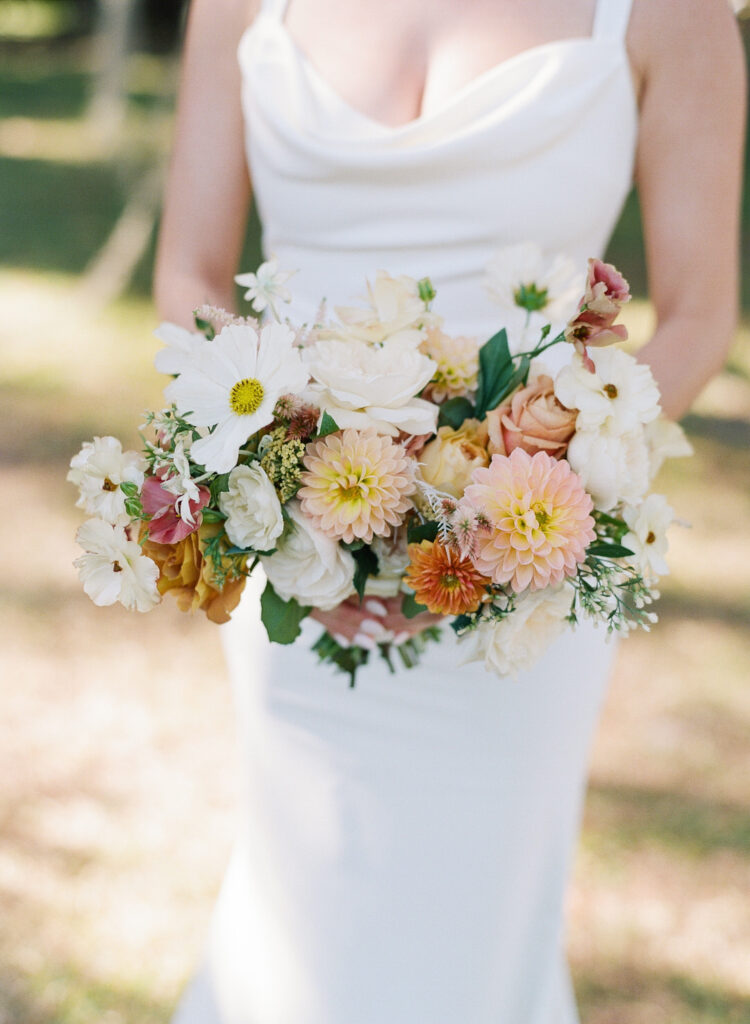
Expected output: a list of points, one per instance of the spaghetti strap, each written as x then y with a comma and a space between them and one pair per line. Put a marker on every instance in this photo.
611, 19
275, 8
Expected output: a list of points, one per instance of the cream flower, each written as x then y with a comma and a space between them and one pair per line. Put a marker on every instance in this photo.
457, 362
180, 347
356, 485
252, 508
98, 470
524, 277
363, 385
393, 557
309, 566
113, 568
394, 309
448, 461
515, 643
647, 536
612, 467
232, 384
266, 286
666, 440
620, 395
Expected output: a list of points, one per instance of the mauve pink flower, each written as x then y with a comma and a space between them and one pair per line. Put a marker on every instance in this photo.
606, 293
166, 526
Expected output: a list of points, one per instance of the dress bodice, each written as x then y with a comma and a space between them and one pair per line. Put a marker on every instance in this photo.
539, 148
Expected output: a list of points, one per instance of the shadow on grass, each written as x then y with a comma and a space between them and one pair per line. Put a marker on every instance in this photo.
730, 431
628, 818
630, 997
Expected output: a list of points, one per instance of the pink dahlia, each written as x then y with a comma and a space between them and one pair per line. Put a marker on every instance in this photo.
539, 517
356, 485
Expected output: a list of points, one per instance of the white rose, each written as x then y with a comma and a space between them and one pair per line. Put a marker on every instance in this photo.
620, 396
514, 644
252, 507
647, 537
394, 309
309, 566
612, 467
665, 440
363, 386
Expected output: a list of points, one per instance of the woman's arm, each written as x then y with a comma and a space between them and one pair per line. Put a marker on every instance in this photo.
689, 175
208, 191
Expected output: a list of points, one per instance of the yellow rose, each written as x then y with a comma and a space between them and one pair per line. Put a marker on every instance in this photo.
448, 462
184, 570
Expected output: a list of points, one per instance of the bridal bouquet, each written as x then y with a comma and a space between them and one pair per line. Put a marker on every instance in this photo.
375, 454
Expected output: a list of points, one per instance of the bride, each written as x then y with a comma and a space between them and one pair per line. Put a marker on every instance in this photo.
404, 846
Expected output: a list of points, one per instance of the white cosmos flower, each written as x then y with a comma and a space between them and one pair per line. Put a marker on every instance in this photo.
232, 384
620, 396
309, 566
266, 285
180, 346
612, 467
555, 281
252, 508
113, 568
98, 470
666, 440
647, 537
394, 310
363, 385
515, 643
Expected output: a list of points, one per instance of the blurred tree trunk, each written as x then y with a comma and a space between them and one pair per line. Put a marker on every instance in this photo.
111, 43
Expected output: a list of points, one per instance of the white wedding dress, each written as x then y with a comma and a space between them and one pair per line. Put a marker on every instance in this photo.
405, 844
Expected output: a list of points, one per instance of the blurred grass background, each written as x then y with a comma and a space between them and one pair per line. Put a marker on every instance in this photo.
116, 773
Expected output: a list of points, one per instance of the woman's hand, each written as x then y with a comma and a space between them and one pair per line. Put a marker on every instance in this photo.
363, 623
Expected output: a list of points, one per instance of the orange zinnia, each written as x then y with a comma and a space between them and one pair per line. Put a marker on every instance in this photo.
442, 580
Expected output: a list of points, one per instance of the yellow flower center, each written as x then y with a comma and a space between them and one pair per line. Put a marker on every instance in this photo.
246, 396
449, 581
542, 515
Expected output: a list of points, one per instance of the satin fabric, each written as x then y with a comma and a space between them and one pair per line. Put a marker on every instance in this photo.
405, 845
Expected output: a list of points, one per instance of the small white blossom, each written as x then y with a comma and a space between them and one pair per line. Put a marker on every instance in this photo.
647, 537
612, 467
252, 508
113, 568
554, 283
620, 396
266, 285
98, 470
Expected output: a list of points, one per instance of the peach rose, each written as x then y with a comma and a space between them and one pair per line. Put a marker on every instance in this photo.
184, 570
448, 462
533, 420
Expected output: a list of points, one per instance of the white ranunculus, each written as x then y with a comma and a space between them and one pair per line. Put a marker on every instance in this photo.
252, 508
180, 346
393, 308
612, 467
620, 396
309, 566
98, 470
647, 535
526, 266
515, 643
113, 568
363, 385
666, 440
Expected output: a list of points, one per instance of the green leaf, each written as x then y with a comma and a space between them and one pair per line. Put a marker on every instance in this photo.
213, 515
205, 327
495, 369
134, 508
218, 485
366, 562
417, 532
328, 425
454, 412
281, 618
129, 489
608, 551
411, 607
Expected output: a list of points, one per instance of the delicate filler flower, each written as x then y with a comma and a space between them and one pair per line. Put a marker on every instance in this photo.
232, 384
457, 362
308, 566
442, 580
514, 643
356, 485
266, 286
533, 419
114, 568
647, 535
281, 459
539, 516
618, 395
448, 461
253, 511
523, 276
363, 385
98, 470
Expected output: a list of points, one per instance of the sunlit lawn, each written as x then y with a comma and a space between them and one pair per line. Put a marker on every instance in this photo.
117, 781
